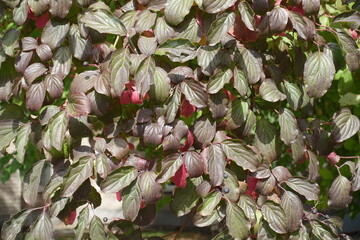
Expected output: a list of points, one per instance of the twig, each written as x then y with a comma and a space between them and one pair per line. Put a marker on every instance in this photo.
191, 215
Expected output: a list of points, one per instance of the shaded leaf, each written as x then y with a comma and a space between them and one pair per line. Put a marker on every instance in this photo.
194, 92
184, 199
194, 164
345, 125
217, 81
339, 193
11, 228
77, 174
96, 229
293, 208
244, 157
288, 126
149, 188
319, 72
54, 32
267, 140
236, 221
215, 161
275, 217
175, 11
103, 22
269, 92
309, 190
42, 229
119, 179
131, 197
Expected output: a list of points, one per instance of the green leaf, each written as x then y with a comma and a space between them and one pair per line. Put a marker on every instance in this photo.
232, 183
129, 19
215, 217
163, 31
239, 226
237, 113
278, 19
80, 47
240, 82
169, 167
173, 105
82, 223
220, 27
77, 174
131, 197
309, 190
194, 92
247, 15
20, 13
251, 63
217, 81
119, 66
78, 104
209, 59
267, 140
103, 22
242, 156
119, 179
339, 193
275, 216
10, 41
248, 205
184, 199
31, 182
288, 126
269, 92
209, 203
150, 189
144, 76
145, 20
319, 72
223, 236
190, 30
322, 231
11, 228
160, 90
294, 95
60, 8
177, 50
345, 125
42, 229
96, 229
54, 135
215, 161
147, 45
294, 210
351, 17
54, 32
62, 60
175, 11
211, 6
8, 132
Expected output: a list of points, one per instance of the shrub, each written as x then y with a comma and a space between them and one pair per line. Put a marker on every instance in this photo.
249, 108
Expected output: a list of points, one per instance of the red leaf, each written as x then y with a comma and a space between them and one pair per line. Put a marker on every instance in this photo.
251, 181
71, 218
179, 178
186, 108
135, 97
118, 196
125, 97
241, 32
188, 143
142, 205
298, 9
41, 21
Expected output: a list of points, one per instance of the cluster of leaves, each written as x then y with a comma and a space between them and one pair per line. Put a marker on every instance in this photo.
241, 104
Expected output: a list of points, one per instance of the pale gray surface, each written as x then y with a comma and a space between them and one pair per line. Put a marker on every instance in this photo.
10, 197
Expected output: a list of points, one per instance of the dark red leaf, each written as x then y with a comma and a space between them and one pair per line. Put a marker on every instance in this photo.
118, 196
186, 108
179, 178
188, 143
71, 218
241, 32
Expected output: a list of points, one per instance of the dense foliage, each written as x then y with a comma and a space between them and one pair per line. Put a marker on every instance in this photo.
249, 107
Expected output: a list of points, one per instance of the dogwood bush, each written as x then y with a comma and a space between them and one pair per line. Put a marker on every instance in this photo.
249, 107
